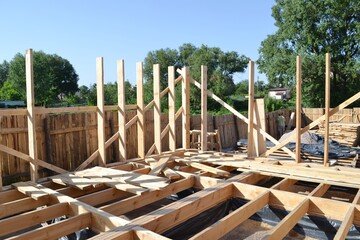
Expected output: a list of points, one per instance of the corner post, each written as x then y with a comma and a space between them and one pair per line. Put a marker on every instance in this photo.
172, 125
251, 103
140, 110
157, 108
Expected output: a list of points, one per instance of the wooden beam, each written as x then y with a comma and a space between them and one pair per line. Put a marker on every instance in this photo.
157, 108
22, 205
345, 224
203, 137
186, 108
284, 184
250, 132
100, 110
59, 229
204, 167
131, 122
320, 190
298, 109
140, 110
327, 108
27, 158
121, 110
234, 219
135, 202
259, 119
31, 117
287, 223
25, 220
172, 108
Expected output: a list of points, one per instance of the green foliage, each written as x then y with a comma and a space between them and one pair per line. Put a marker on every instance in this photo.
54, 79
272, 104
4, 72
311, 29
88, 95
221, 67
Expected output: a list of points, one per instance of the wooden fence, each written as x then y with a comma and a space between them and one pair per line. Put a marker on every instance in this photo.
67, 139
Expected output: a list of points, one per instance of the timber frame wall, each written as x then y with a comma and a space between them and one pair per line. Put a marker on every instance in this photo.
134, 183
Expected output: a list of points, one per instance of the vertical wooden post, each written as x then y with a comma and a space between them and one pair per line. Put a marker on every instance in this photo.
259, 119
251, 101
203, 108
157, 108
31, 117
140, 110
186, 108
121, 109
171, 97
100, 110
298, 109
327, 108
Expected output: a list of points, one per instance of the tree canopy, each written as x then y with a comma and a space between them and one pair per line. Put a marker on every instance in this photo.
54, 79
221, 68
311, 29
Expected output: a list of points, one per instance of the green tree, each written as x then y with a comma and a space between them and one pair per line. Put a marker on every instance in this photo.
221, 68
54, 78
4, 72
311, 29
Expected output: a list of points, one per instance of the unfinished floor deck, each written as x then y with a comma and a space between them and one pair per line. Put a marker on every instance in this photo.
131, 200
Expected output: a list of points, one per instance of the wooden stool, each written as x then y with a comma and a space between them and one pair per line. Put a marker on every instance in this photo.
214, 142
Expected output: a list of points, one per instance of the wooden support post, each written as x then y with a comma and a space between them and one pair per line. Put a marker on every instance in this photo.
172, 125
31, 117
100, 110
327, 109
186, 108
140, 110
203, 108
157, 108
298, 109
251, 147
259, 139
121, 110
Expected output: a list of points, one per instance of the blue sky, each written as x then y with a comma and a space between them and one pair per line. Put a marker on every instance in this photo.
80, 30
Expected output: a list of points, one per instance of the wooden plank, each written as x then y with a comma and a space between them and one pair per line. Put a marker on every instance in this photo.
327, 107
121, 109
144, 234
204, 139
235, 218
100, 110
287, 223
131, 122
345, 224
59, 229
135, 202
284, 184
204, 167
140, 110
69, 179
157, 167
251, 143
25, 220
313, 124
28, 159
157, 108
171, 174
31, 117
186, 108
21, 205
29, 190
260, 120
298, 109
171, 100
320, 190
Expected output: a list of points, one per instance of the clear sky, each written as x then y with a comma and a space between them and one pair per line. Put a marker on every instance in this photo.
80, 30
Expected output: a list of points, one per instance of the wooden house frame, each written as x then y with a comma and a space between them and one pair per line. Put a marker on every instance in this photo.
98, 198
